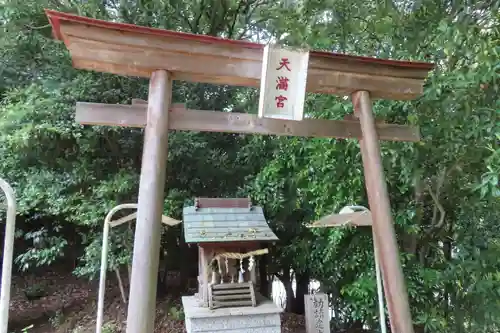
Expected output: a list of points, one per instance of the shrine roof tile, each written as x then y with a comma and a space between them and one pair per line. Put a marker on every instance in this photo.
205, 225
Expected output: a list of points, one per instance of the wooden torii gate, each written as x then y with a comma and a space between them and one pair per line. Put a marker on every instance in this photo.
163, 56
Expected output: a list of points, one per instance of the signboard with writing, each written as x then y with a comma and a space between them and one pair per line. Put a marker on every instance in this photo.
283, 83
316, 312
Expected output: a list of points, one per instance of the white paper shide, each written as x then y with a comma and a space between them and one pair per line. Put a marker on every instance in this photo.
283, 83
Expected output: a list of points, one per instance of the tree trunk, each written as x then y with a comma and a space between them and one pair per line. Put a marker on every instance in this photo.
419, 328
263, 280
161, 283
286, 279
448, 249
448, 287
356, 326
161, 286
302, 288
184, 264
290, 297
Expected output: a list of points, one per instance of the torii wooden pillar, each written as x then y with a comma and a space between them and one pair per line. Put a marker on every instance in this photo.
163, 56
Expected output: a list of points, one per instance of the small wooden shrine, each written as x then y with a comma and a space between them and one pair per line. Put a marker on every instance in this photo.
229, 234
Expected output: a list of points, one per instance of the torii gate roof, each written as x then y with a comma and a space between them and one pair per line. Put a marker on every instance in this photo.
128, 49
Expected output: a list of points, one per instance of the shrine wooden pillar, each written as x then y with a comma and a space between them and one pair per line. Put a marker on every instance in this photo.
142, 299
383, 224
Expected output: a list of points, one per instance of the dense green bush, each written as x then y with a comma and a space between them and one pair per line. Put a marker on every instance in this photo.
444, 190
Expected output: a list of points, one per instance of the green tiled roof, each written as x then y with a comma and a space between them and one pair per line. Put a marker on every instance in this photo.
225, 225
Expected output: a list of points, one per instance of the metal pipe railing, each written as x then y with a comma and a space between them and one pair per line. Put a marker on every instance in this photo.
104, 259
8, 253
108, 223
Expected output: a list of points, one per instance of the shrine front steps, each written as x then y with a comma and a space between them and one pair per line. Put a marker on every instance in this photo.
263, 318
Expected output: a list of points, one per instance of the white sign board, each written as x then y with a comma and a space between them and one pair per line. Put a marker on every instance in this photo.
316, 312
283, 83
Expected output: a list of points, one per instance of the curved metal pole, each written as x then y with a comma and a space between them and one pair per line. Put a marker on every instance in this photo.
8, 253
380, 291
352, 209
104, 260
108, 223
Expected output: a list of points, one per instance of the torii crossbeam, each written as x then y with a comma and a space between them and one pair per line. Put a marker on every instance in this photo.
164, 56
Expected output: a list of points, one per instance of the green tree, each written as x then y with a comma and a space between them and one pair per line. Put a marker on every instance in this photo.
444, 190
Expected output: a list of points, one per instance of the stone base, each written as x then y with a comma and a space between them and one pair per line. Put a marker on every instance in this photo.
264, 318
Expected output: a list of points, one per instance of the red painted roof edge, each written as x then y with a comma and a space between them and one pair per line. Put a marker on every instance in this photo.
55, 17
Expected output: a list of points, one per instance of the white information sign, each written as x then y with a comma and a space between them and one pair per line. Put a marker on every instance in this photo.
283, 83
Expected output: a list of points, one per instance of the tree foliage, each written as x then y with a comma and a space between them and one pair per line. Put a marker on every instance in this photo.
444, 190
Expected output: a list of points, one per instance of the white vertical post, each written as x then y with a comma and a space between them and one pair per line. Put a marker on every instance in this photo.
145, 262
253, 272
8, 253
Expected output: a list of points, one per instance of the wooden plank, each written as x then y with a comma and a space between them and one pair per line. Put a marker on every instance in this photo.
238, 73
173, 62
316, 313
107, 50
107, 114
231, 297
232, 246
210, 298
229, 291
383, 223
383, 87
200, 272
335, 220
179, 45
216, 121
205, 257
232, 303
318, 60
230, 294
186, 47
223, 286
